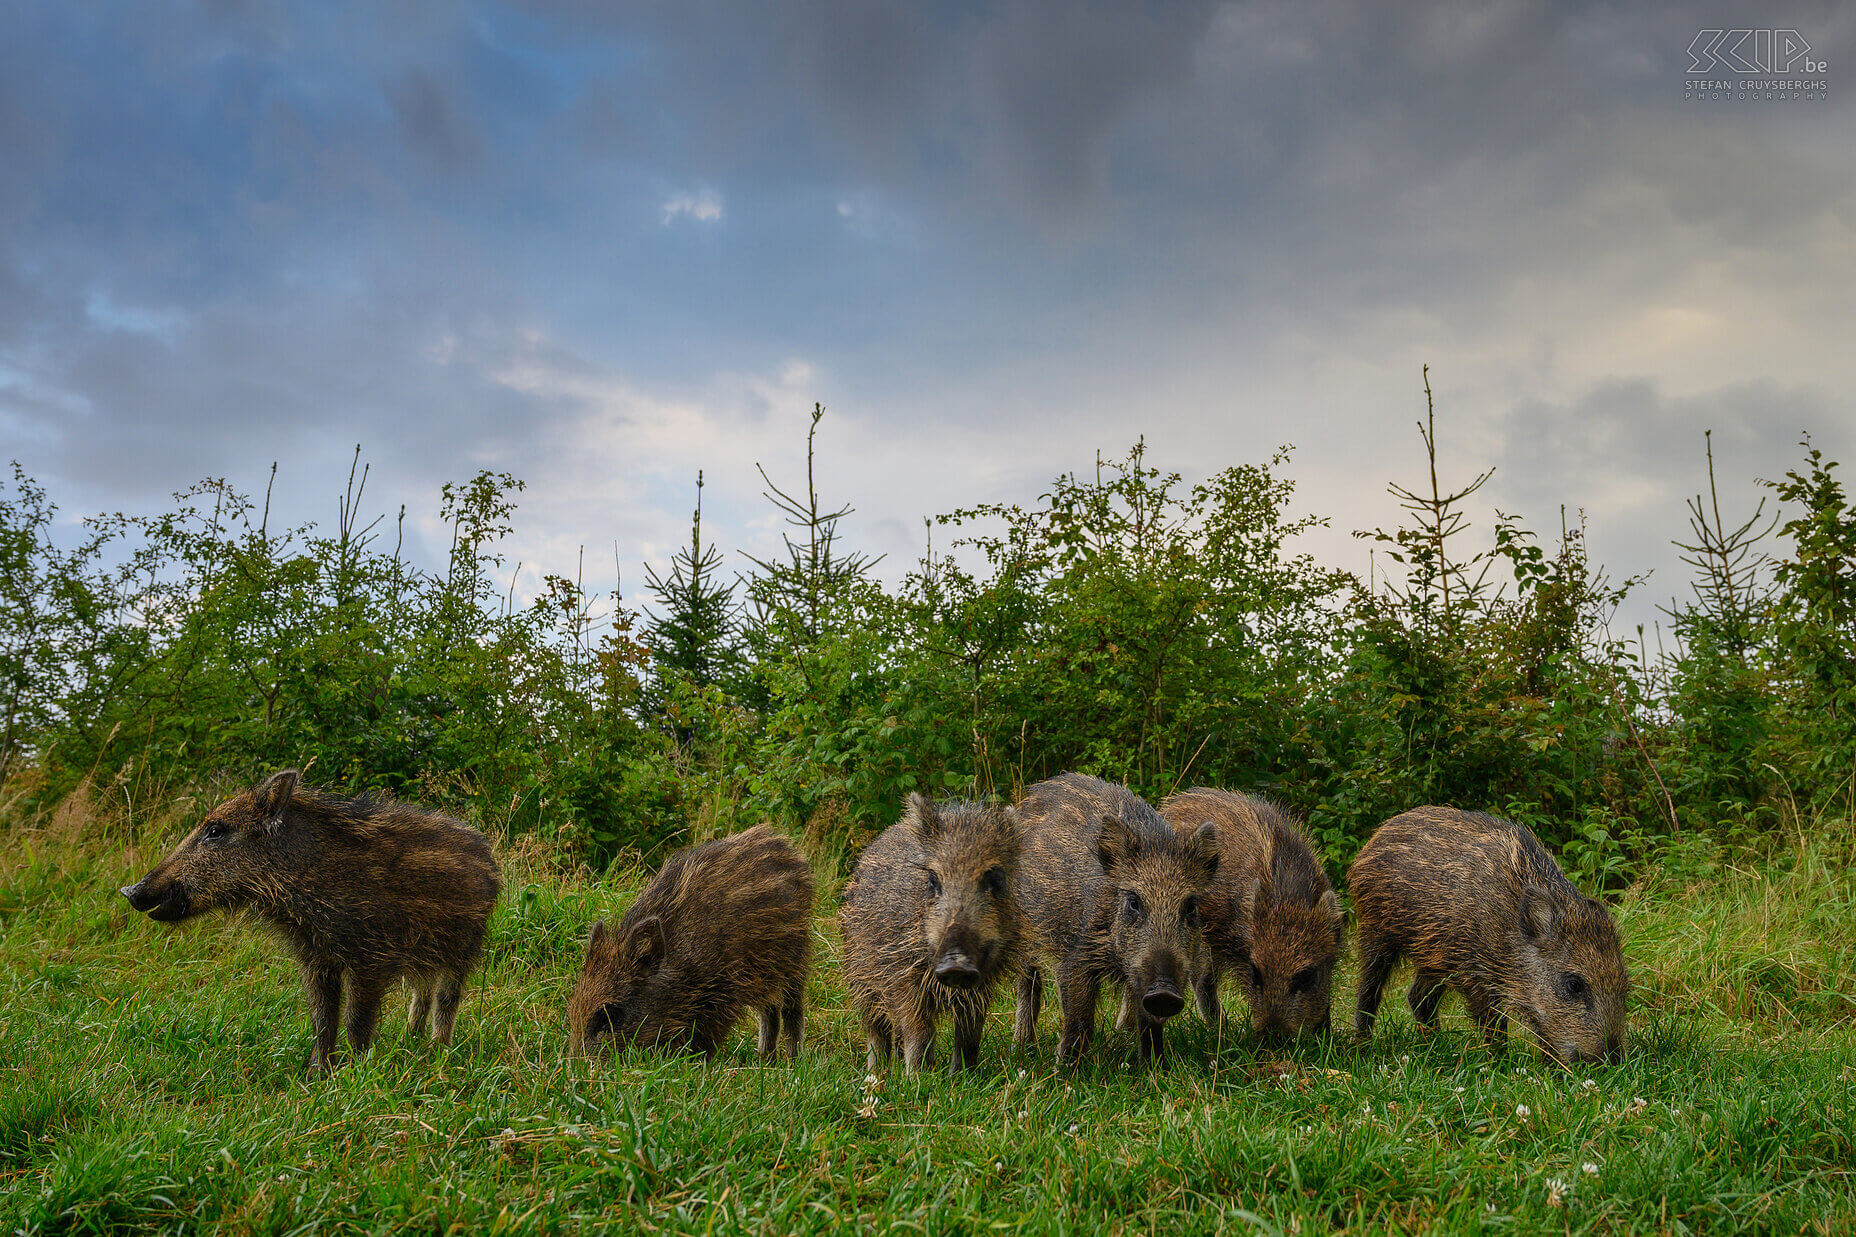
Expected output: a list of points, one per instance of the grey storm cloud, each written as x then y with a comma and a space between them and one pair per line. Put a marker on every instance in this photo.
585, 242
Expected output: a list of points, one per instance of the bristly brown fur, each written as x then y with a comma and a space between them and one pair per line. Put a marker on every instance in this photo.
1110, 892
364, 891
1270, 915
723, 927
933, 896
1480, 906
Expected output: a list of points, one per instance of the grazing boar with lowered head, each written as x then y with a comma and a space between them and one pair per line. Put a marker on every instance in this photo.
724, 927
1479, 905
1270, 915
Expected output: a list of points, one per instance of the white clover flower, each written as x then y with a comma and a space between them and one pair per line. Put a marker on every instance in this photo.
1021, 1073
1589, 1169
1023, 1114
1459, 1090
1557, 1191
1523, 1111
1588, 1084
1072, 1127
998, 1164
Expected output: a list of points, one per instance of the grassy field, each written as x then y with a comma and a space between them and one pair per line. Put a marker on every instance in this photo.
154, 1078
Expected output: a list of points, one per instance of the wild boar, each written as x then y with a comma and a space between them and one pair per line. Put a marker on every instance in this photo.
930, 923
1271, 915
1480, 906
1110, 892
364, 891
725, 926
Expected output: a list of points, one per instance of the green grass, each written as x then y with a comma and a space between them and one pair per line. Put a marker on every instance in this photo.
155, 1078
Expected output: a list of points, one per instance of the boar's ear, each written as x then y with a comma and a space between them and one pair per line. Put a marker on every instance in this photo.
1116, 844
1539, 917
645, 945
1014, 828
1204, 848
1328, 905
272, 799
1249, 898
927, 817
597, 938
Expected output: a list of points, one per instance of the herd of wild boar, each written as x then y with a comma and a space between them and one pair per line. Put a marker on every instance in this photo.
1081, 880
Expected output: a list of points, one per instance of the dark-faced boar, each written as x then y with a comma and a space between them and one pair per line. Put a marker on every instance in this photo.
1480, 906
1270, 914
724, 927
364, 891
930, 924
1110, 892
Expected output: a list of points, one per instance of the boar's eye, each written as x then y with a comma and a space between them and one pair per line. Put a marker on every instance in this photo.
1303, 983
934, 884
1574, 988
1131, 905
994, 882
1189, 912
214, 831
1256, 975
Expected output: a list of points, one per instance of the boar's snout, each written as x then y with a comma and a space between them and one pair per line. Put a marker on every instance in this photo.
1163, 999
957, 969
164, 904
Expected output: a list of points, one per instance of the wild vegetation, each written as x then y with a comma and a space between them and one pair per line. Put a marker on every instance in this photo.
1126, 623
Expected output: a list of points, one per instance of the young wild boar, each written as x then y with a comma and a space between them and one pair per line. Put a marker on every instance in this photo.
1109, 891
725, 926
1481, 907
364, 891
1270, 914
930, 923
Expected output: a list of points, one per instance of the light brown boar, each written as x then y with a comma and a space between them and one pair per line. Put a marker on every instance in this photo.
1110, 892
1270, 916
1480, 906
930, 923
722, 928
364, 891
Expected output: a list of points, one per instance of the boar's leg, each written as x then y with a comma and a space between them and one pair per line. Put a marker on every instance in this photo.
322, 984
1206, 990
1030, 1000
1427, 992
1078, 989
449, 996
969, 1025
362, 1017
1378, 955
1486, 1008
916, 1030
876, 1036
768, 1037
793, 1019
419, 1012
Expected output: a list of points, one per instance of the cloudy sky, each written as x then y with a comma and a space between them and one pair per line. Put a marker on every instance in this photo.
601, 245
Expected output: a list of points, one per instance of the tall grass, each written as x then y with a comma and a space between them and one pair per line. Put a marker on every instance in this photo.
154, 1078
